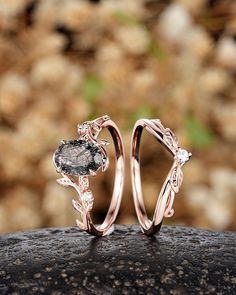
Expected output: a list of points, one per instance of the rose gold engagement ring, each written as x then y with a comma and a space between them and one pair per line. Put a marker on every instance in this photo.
77, 160
172, 182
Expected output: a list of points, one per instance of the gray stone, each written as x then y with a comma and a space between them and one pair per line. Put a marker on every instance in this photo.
78, 157
178, 260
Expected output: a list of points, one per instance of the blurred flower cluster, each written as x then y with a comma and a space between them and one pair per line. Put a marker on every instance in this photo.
66, 61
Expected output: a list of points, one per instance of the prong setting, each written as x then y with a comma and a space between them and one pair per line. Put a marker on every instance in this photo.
182, 156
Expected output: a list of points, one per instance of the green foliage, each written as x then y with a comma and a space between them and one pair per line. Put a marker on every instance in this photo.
199, 135
143, 111
156, 51
91, 88
125, 18
154, 48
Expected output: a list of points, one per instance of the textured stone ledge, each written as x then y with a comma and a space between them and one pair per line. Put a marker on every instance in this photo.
178, 260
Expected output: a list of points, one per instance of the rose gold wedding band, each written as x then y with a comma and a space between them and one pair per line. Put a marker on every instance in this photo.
78, 160
172, 182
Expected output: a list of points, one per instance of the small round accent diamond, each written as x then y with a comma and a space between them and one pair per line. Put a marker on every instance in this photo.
182, 155
84, 127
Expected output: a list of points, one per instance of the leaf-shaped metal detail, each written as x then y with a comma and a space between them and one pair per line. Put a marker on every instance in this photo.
77, 206
82, 158
169, 211
85, 203
81, 225
170, 139
64, 181
176, 178
102, 142
105, 159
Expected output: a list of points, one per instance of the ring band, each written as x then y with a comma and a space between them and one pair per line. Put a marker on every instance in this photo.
79, 159
172, 182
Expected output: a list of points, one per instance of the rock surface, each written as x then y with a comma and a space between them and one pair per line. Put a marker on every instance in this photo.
67, 261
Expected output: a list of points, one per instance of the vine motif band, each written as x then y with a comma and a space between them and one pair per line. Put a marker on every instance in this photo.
79, 159
172, 182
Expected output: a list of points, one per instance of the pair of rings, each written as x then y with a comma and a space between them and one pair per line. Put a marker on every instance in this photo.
78, 160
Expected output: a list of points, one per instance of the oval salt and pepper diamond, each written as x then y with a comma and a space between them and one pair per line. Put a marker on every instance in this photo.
78, 158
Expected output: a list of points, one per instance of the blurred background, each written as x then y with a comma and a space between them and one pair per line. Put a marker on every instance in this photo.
66, 61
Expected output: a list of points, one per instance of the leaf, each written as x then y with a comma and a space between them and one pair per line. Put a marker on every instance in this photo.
77, 206
64, 181
81, 225
176, 179
91, 88
125, 19
103, 142
171, 139
156, 51
143, 111
199, 135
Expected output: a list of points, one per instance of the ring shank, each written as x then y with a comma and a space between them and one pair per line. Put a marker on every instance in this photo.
106, 227
148, 227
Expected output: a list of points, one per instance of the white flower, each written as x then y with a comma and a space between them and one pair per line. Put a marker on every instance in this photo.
77, 14
225, 114
219, 214
56, 71
198, 42
14, 92
134, 39
110, 52
198, 196
226, 52
214, 80
12, 7
174, 23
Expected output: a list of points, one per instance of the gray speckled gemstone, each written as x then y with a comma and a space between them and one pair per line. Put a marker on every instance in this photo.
78, 157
